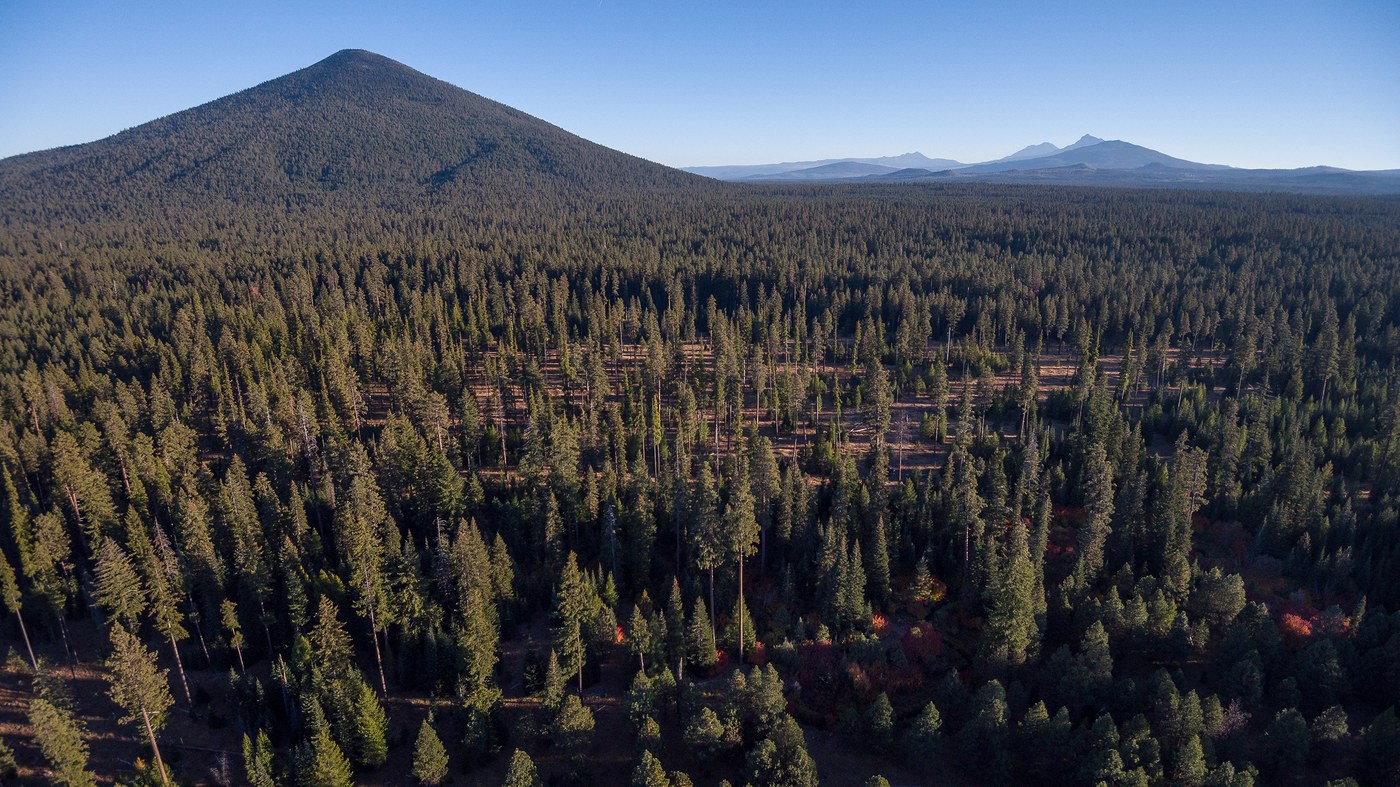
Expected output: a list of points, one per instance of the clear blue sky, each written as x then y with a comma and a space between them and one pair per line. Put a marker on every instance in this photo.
1259, 84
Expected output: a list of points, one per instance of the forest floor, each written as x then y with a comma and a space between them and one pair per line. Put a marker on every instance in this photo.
910, 452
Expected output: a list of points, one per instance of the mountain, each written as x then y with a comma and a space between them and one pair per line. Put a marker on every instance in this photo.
1083, 142
354, 127
1114, 154
1048, 149
1032, 151
764, 171
1095, 162
834, 171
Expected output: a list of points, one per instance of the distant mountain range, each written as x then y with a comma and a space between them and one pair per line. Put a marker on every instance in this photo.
793, 170
1089, 161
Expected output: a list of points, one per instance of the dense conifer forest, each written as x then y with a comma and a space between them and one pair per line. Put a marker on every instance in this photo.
322, 476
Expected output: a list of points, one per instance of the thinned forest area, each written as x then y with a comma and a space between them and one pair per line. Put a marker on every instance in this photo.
750, 485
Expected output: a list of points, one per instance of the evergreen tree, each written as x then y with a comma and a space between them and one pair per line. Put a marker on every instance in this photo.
9, 769
323, 763
877, 562
639, 639
1098, 513
704, 734
573, 725
707, 532
60, 737
478, 642
1286, 742
10, 597
429, 756
118, 585
521, 772
572, 618
741, 625
139, 687
370, 726
1380, 749
1012, 633
982, 740
649, 772
925, 736
1186, 483
741, 530
781, 759
1189, 766
879, 721
258, 760
700, 637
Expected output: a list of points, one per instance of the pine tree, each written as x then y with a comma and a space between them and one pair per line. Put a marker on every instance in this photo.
982, 740
1098, 513
639, 632
700, 637
741, 625
782, 759
649, 772
877, 562
706, 533
925, 736
329, 640
879, 721
60, 737
675, 639
573, 724
704, 733
139, 687
1189, 763
1186, 485
160, 572
324, 765
1380, 748
10, 597
369, 727
258, 760
9, 769
118, 585
1286, 742
1011, 632
741, 530
360, 523
1102, 764
429, 756
571, 618
478, 641
522, 772
234, 631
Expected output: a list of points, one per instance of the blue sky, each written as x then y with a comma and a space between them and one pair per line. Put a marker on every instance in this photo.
1258, 84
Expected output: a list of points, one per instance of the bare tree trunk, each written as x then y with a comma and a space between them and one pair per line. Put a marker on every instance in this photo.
741, 609
24, 631
198, 629
180, 667
373, 636
713, 631
151, 733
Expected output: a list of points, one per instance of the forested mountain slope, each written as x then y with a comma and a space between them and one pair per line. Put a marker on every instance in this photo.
355, 131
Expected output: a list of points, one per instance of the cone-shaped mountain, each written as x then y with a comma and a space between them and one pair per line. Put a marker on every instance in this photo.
354, 126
